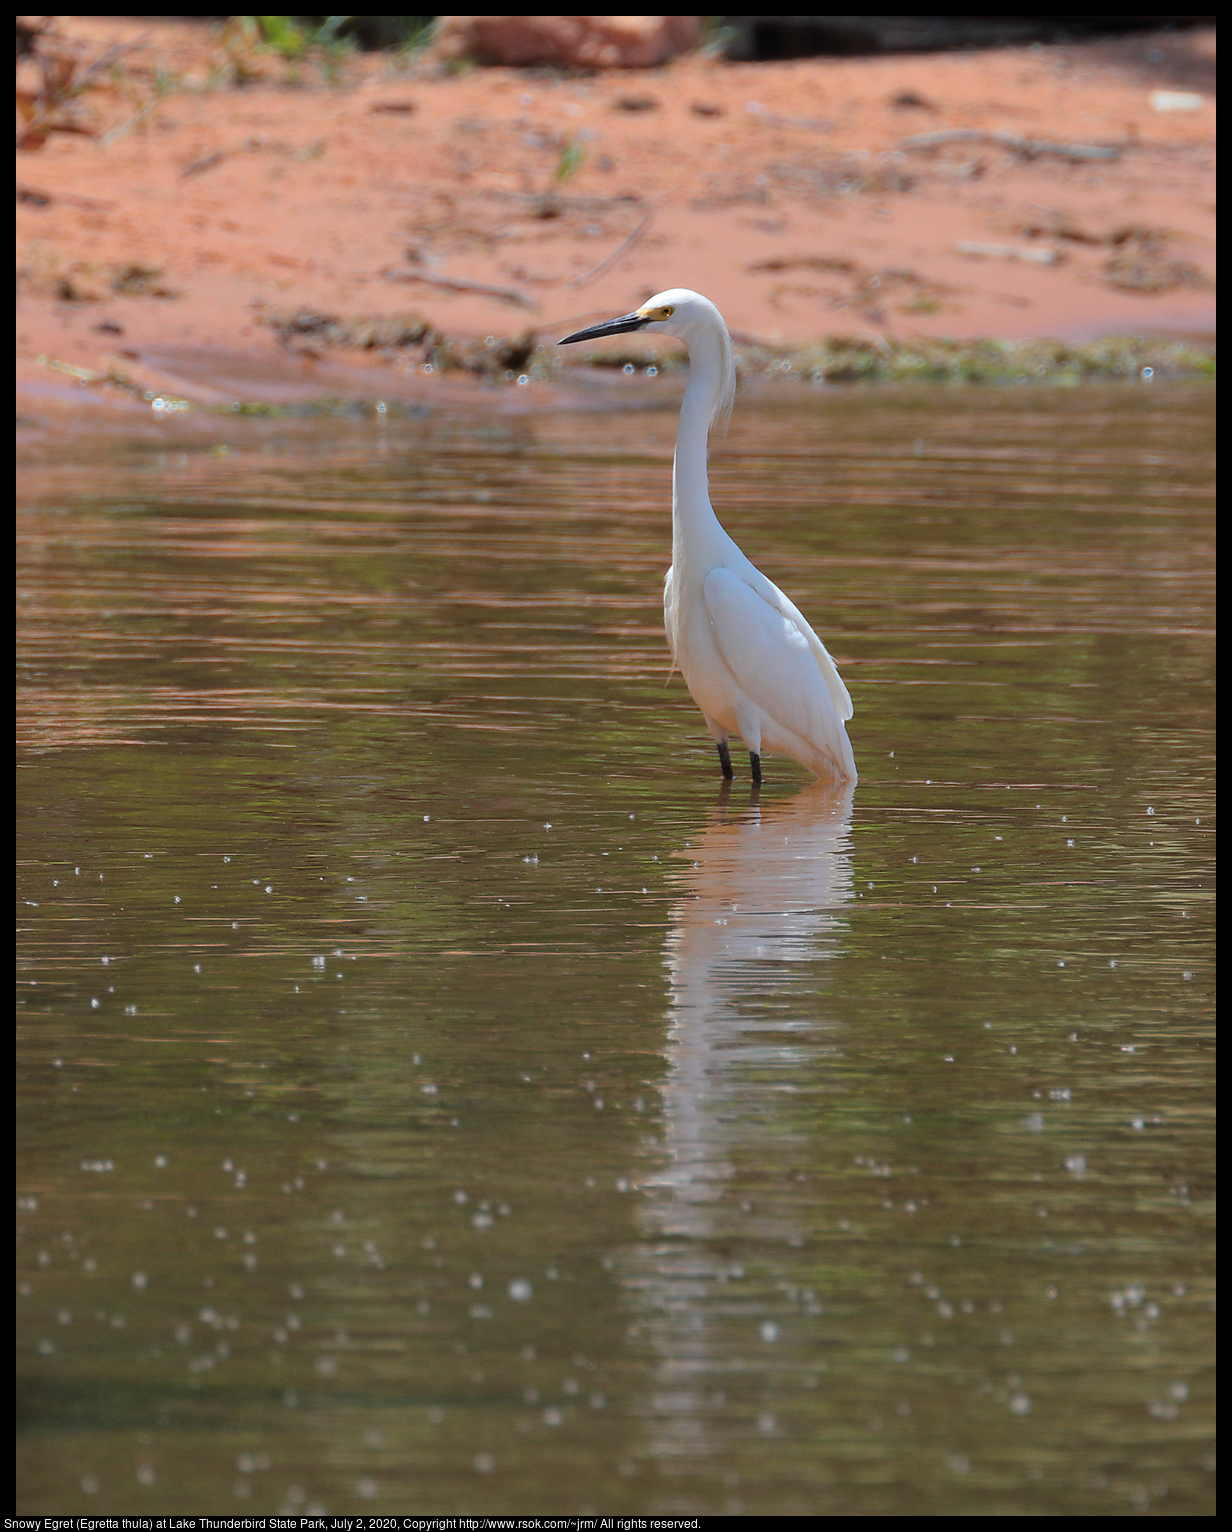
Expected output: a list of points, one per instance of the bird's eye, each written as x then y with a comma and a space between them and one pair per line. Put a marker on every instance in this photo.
668, 311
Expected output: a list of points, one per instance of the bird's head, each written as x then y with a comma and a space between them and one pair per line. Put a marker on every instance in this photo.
678, 312
694, 320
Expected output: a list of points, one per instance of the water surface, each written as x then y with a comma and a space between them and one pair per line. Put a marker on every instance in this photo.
436, 1094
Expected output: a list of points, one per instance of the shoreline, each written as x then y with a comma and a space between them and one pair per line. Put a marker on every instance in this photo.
612, 377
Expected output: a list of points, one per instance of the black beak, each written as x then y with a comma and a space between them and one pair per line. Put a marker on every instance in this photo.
608, 327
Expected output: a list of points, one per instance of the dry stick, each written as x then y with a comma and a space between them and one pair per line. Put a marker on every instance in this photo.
622, 248
138, 117
774, 120
43, 198
201, 164
104, 60
1031, 147
462, 285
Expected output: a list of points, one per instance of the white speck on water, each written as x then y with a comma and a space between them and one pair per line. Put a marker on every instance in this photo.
484, 1462
1076, 1164
520, 1290
1020, 1404
140, 1280
769, 1331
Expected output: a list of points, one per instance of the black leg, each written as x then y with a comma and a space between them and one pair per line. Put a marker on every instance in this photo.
725, 761
755, 767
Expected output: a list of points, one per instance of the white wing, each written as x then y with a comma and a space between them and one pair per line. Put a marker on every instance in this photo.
768, 591
669, 615
768, 652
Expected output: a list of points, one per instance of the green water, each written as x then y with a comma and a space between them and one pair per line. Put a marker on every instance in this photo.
435, 1095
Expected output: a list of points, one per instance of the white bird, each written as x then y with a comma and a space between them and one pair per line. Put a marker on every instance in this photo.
750, 660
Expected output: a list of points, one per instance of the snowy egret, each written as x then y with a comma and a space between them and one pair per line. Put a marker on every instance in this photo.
750, 660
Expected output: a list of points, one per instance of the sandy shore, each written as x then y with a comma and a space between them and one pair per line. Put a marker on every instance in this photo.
196, 211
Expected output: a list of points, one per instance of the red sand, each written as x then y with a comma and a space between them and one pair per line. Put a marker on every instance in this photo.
320, 190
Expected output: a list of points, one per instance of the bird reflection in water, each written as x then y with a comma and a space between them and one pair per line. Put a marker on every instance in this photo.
759, 891
759, 911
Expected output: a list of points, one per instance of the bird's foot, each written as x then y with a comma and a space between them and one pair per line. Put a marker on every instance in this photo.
725, 761
755, 767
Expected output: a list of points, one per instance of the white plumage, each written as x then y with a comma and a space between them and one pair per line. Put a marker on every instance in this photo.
750, 659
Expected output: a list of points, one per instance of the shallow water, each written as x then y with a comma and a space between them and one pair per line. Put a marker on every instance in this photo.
436, 1095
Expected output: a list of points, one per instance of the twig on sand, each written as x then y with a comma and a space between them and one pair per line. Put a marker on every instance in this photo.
201, 164
774, 120
39, 198
462, 285
626, 244
139, 116
1029, 148
1040, 255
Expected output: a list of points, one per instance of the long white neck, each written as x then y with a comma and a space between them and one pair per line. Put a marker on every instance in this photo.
695, 528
